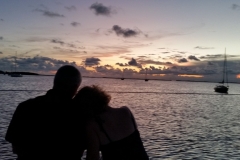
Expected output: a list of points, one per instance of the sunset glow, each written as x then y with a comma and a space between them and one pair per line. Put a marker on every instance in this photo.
238, 76
158, 75
170, 39
188, 75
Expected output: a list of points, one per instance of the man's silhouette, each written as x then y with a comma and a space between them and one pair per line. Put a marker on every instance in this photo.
48, 126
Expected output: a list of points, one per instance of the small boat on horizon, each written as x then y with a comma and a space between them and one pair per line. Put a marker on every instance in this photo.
146, 79
122, 75
15, 75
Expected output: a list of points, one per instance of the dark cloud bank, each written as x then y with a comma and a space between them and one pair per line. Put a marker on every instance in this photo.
193, 58
49, 13
71, 8
100, 9
75, 24
211, 70
92, 61
125, 32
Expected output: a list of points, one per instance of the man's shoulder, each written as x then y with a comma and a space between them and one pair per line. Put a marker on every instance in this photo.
32, 101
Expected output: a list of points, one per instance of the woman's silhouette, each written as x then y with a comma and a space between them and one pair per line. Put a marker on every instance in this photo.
113, 131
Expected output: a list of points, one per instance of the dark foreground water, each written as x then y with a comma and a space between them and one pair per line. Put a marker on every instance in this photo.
177, 120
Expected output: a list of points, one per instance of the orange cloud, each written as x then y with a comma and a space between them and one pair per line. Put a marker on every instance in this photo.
190, 75
238, 76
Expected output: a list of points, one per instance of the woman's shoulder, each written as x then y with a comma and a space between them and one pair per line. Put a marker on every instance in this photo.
125, 110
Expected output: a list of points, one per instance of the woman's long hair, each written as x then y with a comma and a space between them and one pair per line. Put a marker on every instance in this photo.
92, 100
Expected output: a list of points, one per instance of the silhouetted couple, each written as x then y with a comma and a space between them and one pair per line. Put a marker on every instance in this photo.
55, 126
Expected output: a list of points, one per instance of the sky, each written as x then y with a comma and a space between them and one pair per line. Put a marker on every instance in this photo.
167, 39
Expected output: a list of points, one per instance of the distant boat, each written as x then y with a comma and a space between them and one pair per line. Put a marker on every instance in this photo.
221, 88
146, 79
122, 75
15, 74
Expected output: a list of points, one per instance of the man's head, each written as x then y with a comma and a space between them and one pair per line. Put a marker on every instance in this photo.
67, 80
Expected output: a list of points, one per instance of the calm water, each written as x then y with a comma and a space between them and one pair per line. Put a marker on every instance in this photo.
177, 120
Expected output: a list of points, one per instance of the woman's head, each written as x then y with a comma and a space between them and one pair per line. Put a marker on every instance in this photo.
92, 99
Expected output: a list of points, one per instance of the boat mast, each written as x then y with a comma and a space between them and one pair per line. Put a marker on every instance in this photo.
224, 64
226, 67
146, 74
15, 63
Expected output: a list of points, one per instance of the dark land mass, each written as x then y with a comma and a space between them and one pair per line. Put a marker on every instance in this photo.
22, 73
36, 74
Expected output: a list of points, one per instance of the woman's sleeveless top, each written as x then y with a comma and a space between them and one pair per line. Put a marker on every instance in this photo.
128, 148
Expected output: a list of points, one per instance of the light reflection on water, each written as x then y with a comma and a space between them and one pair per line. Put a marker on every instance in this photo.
199, 124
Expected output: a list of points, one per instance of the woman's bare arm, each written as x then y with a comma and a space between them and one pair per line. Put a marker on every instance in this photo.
93, 144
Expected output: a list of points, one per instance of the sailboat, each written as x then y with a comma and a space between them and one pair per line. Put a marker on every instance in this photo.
146, 77
15, 74
221, 88
122, 75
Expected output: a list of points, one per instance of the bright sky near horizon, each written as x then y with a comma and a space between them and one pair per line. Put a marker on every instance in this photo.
167, 38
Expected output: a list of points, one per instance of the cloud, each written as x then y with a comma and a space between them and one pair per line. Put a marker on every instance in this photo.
1, 20
92, 61
32, 50
110, 50
200, 47
156, 36
175, 57
108, 71
193, 58
213, 56
124, 32
183, 60
133, 62
107, 65
49, 13
1, 52
210, 63
181, 52
36, 39
48, 65
100, 9
37, 64
57, 41
122, 64
75, 24
235, 7
142, 61
64, 50
71, 8
1, 38
14, 46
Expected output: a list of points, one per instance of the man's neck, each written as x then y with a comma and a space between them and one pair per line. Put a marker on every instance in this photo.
59, 94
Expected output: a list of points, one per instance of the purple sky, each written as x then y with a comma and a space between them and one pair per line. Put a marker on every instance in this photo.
103, 38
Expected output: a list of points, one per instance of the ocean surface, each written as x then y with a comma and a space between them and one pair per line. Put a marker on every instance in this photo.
177, 120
